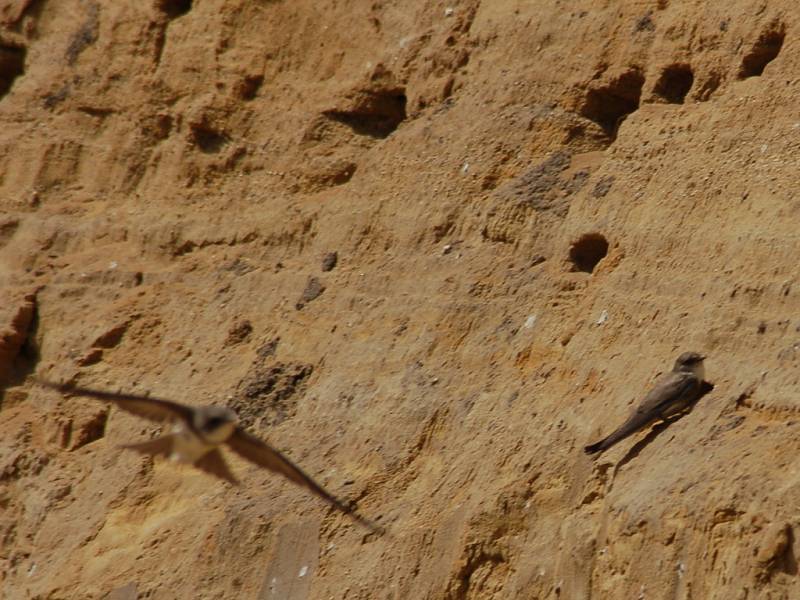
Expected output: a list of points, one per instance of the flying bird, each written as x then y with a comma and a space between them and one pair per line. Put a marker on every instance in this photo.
197, 436
672, 393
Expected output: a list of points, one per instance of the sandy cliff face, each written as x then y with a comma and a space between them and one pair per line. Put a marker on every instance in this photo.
535, 206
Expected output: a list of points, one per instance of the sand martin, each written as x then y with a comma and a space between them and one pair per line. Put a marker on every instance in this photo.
672, 393
197, 435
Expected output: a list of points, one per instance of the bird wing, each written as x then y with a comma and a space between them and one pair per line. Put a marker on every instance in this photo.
671, 393
263, 455
672, 390
153, 409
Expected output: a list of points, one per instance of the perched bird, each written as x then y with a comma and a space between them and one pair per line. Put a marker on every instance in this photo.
672, 393
197, 435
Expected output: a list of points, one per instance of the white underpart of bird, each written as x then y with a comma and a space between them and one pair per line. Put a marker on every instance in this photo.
188, 447
699, 370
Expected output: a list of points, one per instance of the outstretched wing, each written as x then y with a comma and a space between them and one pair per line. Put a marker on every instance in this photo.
153, 409
263, 455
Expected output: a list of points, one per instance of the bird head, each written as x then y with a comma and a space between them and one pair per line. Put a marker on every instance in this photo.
215, 423
690, 362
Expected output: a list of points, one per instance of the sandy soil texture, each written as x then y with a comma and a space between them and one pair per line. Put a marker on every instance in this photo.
429, 251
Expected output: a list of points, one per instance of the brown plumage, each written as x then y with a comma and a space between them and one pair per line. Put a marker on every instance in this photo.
197, 438
672, 393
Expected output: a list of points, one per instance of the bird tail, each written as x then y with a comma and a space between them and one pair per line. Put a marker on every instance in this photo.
608, 441
214, 464
632, 425
595, 448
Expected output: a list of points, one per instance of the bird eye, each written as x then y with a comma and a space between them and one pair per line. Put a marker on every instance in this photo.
215, 421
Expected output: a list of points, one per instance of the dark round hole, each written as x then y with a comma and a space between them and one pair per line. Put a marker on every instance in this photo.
609, 105
763, 52
12, 65
674, 83
587, 251
175, 8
